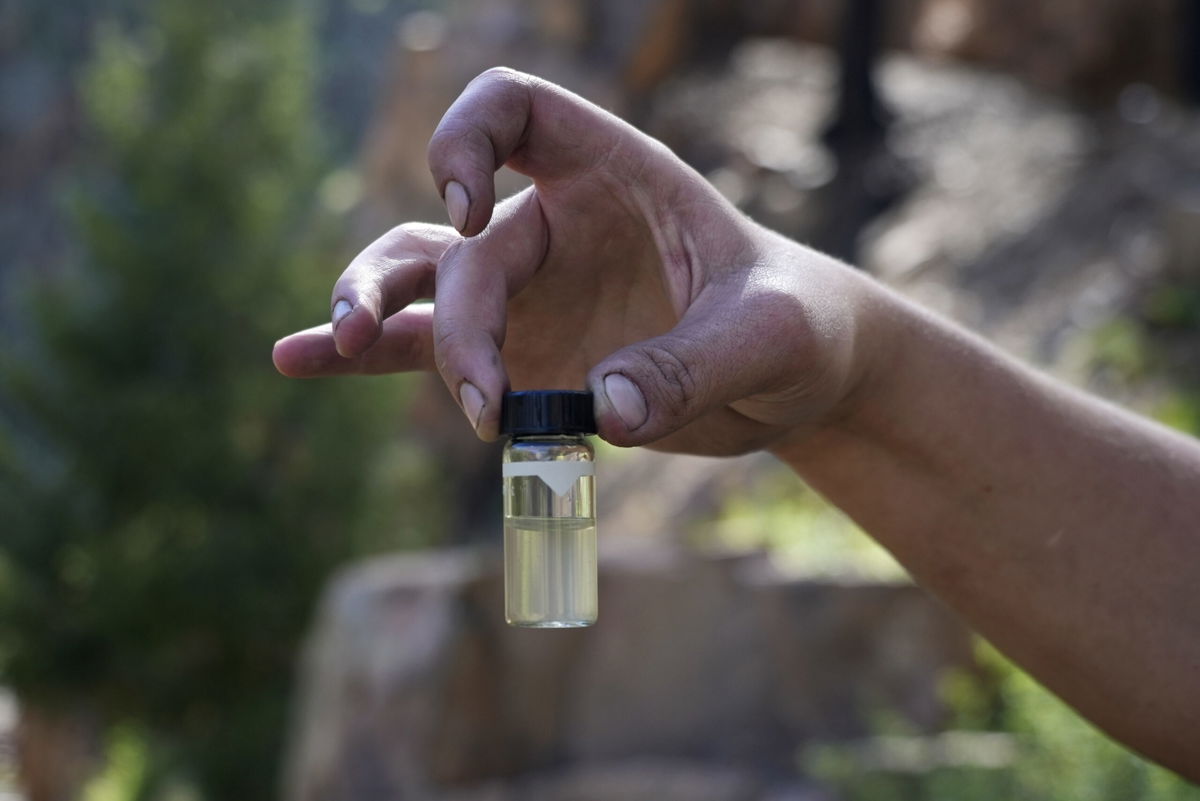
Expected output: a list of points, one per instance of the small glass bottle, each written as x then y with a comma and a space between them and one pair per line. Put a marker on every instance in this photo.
549, 509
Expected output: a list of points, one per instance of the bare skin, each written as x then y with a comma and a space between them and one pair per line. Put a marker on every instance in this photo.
1063, 529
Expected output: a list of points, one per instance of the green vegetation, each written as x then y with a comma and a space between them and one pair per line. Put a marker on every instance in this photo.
171, 505
805, 535
1011, 739
1156, 343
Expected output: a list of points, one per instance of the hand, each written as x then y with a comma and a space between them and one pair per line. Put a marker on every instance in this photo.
621, 269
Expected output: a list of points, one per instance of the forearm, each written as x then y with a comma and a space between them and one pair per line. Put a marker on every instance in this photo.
1064, 529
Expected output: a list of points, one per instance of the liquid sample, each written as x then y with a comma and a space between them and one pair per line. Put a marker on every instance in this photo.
550, 571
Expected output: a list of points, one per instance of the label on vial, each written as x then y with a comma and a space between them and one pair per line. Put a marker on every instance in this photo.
558, 476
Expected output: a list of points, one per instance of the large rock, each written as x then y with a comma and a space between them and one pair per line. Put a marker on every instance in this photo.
416, 689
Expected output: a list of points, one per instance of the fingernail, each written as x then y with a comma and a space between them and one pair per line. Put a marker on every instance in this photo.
626, 400
340, 310
457, 204
472, 403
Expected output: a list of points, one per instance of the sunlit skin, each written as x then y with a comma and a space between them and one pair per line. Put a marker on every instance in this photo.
1063, 529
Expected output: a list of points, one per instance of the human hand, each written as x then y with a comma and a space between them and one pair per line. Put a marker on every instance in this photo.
620, 269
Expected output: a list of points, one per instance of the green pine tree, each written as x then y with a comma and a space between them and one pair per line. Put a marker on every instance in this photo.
169, 505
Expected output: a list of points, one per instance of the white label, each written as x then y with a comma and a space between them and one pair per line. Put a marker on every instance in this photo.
558, 476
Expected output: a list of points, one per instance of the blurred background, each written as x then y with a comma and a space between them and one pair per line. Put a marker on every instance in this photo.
219, 584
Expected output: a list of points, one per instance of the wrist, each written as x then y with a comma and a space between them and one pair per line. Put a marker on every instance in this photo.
882, 328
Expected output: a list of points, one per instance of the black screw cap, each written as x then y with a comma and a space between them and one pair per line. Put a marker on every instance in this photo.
547, 411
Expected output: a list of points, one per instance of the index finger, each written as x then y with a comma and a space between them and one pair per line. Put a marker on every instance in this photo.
475, 279
536, 128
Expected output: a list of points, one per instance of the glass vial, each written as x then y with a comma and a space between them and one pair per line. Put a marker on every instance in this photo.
549, 509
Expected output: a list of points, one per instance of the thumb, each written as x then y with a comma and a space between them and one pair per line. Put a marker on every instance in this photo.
652, 388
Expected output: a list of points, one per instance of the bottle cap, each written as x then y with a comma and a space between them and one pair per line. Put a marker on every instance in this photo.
547, 411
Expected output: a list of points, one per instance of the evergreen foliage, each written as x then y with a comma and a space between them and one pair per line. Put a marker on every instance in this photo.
169, 505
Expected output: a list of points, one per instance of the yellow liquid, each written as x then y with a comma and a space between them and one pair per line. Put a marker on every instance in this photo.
550, 571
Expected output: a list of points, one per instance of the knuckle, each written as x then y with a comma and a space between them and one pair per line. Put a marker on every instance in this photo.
414, 242
497, 73
416, 238
674, 379
403, 237
459, 143
441, 147
406, 232
445, 348
457, 346
463, 141
452, 256
501, 75
454, 336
